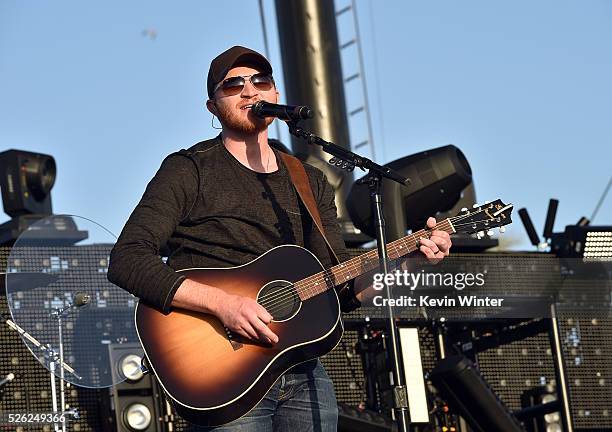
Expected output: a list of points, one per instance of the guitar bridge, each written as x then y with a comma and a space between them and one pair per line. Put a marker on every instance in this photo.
230, 337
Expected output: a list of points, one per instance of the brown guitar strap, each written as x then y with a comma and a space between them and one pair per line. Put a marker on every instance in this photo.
302, 185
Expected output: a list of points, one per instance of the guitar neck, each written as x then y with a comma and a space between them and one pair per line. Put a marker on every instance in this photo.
354, 267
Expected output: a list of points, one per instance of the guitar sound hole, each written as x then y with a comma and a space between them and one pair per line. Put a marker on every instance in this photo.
280, 299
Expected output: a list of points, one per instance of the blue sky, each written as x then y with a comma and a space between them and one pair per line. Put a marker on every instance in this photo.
523, 88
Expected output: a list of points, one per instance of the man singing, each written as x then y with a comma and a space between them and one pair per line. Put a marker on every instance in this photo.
223, 203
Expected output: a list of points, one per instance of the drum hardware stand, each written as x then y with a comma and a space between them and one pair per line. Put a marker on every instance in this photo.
348, 160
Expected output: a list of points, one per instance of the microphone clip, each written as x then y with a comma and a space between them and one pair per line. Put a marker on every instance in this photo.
342, 164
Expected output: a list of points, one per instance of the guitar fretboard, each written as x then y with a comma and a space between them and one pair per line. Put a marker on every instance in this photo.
350, 269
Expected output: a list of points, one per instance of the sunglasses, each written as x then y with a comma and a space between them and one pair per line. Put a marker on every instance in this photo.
234, 85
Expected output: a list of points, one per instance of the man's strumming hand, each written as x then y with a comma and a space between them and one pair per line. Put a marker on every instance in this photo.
246, 317
241, 315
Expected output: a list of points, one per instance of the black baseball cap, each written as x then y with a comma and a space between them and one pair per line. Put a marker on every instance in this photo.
228, 59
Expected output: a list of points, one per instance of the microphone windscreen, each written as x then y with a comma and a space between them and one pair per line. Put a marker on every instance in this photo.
81, 299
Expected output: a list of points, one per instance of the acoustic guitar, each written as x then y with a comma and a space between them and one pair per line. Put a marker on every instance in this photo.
214, 376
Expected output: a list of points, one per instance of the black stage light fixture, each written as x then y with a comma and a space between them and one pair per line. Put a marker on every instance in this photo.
26, 182
438, 177
528, 224
467, 393
589, 242
551, 215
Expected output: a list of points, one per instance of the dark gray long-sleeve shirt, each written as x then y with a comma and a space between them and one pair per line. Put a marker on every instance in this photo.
212, 211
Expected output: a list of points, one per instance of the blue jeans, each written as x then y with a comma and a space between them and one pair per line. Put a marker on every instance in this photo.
301, 400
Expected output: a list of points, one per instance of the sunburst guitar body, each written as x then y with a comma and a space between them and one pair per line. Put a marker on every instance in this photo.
215, 376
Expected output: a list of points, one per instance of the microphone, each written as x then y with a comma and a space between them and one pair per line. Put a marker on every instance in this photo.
81, 299
283, 112
7, 379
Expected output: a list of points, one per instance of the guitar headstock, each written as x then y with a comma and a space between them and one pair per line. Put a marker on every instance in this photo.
483, 217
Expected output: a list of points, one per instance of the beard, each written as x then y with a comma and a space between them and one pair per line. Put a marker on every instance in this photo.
231, 119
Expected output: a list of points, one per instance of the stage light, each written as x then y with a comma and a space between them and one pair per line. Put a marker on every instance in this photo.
26, 182
528, 224
551, 215
137, 417
598, 246
437, 176
591, 243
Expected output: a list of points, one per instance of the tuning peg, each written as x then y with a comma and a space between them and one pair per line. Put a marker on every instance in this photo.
487, 202
464, 209
502, 229
475, 206
480, 234
490, 233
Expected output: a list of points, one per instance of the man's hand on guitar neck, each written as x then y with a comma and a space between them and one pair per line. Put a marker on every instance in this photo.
435, 249
438, 245
241, 315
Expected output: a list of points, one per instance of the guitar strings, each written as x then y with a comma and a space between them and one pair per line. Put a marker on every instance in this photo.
305, 285
306, 282
356, 263
353, 264
279, 299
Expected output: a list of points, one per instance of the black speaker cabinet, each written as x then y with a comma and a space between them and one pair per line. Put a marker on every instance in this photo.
135, 403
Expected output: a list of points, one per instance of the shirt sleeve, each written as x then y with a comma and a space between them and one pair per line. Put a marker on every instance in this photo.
135, 261
329, 219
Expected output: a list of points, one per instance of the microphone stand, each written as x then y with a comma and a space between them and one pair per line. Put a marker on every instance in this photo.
58, 314
348, 160
54, 357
